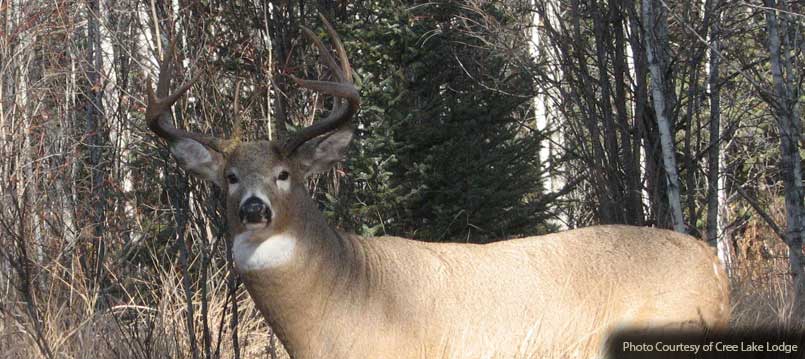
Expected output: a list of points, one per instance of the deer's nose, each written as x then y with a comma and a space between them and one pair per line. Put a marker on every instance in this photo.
254, 210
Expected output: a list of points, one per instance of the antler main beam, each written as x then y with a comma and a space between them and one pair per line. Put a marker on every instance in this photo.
347, 100
158, 108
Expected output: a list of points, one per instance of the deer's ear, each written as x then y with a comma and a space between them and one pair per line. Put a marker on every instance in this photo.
198, 159
320, 154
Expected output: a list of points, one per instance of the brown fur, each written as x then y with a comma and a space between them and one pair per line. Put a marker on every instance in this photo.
399, 298
345, 296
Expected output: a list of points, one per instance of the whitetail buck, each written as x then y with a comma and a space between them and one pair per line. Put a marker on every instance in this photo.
329, 294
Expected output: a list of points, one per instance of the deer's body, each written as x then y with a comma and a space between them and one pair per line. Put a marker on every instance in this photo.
331, 295
390, 297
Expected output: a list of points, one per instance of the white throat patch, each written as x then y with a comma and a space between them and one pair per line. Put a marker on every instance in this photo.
251, 254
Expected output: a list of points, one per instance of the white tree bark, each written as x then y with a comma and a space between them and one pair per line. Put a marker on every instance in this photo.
716, 191
545, 113
540, 111
656, 38
641, 152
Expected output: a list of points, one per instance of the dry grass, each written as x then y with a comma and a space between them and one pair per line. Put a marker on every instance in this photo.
761, 286
72, 323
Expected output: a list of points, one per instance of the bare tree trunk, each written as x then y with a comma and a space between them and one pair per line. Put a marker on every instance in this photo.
786, 109
646, 145
631, 167
692, 107
656, 39
599, 159
714, 160
5, 136
94, 116
543, 110
612, 159
284, 30
539, 101
24, 102
268, 43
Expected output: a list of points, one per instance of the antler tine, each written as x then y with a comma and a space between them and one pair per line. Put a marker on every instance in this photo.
237, 130
327, 58
342, 54
342, 89
339, 48
324, 53
158, 108
166, 70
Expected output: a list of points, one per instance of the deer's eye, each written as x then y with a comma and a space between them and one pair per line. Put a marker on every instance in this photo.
283, 176
231, 178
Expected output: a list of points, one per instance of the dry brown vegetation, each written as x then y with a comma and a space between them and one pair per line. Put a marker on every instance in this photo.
63, 320
761, 283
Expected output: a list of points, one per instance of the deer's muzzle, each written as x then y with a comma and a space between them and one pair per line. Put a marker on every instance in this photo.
254, 211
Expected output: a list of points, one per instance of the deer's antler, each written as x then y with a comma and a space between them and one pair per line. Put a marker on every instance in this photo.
159, 106
347, 101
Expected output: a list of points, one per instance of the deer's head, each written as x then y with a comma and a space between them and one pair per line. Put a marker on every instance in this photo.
262, 179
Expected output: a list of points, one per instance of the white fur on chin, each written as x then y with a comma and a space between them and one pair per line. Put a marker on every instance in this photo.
251, 253
255, 226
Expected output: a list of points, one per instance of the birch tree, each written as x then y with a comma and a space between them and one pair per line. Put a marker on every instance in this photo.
656, 41
715, 183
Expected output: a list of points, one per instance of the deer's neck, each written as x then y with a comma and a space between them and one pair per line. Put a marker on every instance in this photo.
311, 271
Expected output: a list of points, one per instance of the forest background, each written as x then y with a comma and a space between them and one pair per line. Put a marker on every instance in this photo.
481, 120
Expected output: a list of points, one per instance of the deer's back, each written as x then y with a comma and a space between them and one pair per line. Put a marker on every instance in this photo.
537, 292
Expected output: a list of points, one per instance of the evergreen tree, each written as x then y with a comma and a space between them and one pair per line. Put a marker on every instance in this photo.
442, 152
